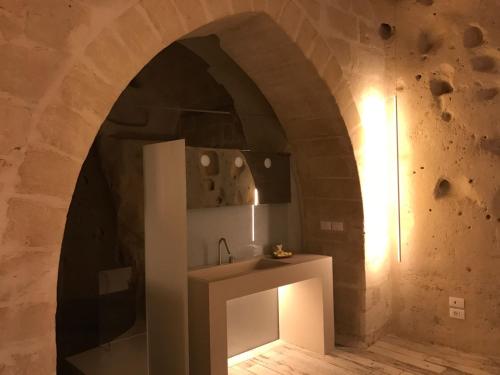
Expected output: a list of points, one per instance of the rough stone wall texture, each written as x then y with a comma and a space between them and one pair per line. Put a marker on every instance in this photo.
447, 58
63, 66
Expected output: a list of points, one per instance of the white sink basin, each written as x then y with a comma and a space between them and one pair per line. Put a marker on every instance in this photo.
226, 271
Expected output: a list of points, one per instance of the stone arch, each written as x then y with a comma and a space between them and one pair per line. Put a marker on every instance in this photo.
68, 117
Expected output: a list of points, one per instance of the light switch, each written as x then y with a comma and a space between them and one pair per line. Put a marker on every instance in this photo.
337, 226
325, 225
457, 313
457, 302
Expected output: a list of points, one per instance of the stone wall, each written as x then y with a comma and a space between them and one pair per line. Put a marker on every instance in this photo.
447, 56
65, 63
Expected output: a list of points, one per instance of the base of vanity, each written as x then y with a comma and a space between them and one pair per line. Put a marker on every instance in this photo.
305, 290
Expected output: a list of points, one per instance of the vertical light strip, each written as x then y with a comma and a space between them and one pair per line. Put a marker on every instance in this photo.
397, 175
255, 203
253, 223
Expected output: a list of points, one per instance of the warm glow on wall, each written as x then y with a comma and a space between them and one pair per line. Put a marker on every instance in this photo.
405, 161
378, 175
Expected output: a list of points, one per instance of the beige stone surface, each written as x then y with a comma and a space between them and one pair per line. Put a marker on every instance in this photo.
140, 38
31, 357
33, 224
240, 6
21, 70
218, 9
111, 59
274, 8
453, 249
320, 55
67, 131
10, 26
85, 93
451, 244
19, 268
36, 178
343, 23
307, 33
158, 12
37, 321
55, 23
312, 8
290, 19
259, 5
342, 50
15, 126
192, 13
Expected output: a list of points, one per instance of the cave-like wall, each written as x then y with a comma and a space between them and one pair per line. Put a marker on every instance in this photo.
447, 73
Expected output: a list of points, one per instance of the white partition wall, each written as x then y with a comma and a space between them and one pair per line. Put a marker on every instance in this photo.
166, 258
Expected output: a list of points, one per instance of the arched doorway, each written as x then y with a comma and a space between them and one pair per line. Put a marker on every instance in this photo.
94, 81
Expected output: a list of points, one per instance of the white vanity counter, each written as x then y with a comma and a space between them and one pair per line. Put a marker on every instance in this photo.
305, 290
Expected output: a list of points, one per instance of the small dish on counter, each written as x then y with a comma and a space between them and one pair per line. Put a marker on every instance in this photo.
279, 253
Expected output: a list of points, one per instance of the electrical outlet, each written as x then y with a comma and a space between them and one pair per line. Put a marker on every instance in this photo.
337, 226
457, 302
457, 313
325, 225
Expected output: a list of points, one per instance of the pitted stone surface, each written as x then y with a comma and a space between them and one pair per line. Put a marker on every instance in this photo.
64, 66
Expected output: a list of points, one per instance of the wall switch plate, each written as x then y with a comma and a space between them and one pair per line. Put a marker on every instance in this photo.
325, 225
457, 313
457, 302
337, 226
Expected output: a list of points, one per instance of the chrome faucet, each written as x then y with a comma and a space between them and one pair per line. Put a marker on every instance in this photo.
223, 240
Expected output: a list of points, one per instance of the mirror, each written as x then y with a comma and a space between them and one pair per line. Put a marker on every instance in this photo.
226, 177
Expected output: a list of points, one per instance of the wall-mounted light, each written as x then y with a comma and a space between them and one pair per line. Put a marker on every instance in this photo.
396, 122
268, 163
376, 170
255, 203
238, 162
205, 160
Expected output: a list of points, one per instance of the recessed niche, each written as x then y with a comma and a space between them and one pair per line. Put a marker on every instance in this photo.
428, 42
440, 87
385, 31
209, 184
487, 93
473, 37
442, 189
483, 63
446, 116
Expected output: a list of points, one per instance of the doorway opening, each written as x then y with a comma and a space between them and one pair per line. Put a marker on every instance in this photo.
190, 90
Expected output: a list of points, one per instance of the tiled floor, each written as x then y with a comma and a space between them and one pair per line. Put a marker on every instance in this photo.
390, 355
